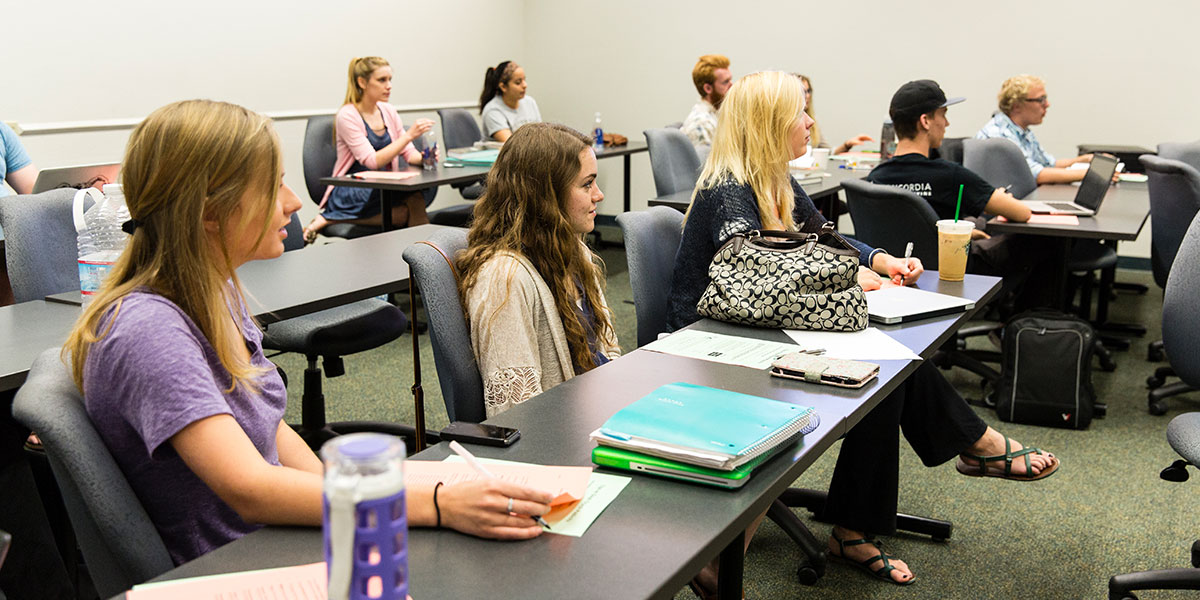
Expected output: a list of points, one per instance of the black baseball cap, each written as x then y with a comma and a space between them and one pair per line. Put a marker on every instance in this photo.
919, 97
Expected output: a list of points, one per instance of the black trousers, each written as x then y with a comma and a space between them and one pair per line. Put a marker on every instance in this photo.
937, 423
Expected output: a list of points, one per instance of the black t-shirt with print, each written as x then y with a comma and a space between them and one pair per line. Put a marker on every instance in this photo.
936, 181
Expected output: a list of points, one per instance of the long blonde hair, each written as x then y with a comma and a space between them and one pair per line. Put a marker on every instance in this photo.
361, 67
189, 162
524, 211
752, 144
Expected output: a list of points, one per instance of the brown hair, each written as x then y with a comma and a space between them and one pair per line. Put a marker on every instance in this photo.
702, 73
187, 162
524, 212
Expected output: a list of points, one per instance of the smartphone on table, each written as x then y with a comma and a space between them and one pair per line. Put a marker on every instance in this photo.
479, 433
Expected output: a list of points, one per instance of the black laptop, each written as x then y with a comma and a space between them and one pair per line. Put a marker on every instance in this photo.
1091, 192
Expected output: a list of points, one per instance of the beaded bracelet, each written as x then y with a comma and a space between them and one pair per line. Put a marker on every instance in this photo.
437, 509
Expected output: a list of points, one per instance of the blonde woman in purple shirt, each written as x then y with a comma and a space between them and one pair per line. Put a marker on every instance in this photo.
171, 363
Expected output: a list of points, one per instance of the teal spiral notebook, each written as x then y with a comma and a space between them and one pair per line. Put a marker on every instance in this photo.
705, 426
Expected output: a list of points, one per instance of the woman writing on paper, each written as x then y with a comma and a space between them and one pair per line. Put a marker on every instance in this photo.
370, 137
503, 103
532, 290
171, 363
745, 185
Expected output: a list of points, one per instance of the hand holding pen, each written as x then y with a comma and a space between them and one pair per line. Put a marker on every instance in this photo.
479, 468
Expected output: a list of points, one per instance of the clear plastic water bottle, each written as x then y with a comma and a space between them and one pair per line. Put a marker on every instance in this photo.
99, 236
598, 134
365, 521
887, 141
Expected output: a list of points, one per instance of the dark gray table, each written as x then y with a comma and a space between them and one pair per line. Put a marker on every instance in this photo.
444, 175
1120, 218
658, 533
825, 190
294, 284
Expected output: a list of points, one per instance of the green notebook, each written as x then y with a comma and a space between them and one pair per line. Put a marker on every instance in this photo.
616, 458
705, 427
475, 158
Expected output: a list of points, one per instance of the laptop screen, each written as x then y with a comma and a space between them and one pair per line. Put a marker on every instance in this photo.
1095, 182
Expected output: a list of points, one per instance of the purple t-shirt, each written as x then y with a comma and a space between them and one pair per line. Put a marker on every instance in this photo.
152, 374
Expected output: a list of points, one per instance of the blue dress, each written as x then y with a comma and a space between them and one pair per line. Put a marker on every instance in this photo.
348, 203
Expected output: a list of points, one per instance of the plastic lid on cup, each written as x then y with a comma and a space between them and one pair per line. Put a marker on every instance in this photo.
959, 226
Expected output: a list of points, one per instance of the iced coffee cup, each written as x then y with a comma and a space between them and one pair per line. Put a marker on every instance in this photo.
954, 246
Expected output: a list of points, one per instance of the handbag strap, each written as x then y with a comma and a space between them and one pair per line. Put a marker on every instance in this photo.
450, 263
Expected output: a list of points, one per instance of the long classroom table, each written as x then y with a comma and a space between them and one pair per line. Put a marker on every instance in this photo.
658, 533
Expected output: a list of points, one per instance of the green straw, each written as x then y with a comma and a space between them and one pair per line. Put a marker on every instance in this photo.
958, 206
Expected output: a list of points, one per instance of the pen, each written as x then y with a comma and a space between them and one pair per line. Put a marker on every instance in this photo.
907, 255
479, 468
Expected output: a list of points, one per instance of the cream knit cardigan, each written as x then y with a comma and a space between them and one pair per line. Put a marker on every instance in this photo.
517, 334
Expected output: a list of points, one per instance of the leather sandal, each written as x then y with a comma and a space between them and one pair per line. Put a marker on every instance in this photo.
983, 470
883, 573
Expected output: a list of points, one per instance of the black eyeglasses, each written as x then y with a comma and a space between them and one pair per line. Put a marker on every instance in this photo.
1039, 100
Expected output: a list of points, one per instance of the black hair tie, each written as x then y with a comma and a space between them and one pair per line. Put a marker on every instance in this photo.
131, 225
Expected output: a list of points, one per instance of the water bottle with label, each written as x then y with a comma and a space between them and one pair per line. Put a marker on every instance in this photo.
887, 141
598, 134
365, 521
98, 235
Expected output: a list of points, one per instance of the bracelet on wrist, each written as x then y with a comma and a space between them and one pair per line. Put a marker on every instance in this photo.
436, 509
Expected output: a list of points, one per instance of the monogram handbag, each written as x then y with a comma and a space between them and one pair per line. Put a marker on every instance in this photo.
786, 280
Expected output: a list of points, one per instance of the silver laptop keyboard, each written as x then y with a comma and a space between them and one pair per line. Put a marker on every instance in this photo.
1062, 206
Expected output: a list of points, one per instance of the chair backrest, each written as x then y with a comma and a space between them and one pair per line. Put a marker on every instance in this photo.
120, 544
1187, 152
951, 150
39, 243
1180, 327
999, 162
295, 234
459, 128
319, 155
458, 373
673, 159
1174, 201
652, 239
890, 217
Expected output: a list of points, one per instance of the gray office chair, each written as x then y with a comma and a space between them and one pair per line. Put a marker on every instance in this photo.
39, 242
951, 150
325, 337
889, 217
459, 130
1181, 334
651, 237
434, 274
673, 159
1174, 202
120, 544
999, 162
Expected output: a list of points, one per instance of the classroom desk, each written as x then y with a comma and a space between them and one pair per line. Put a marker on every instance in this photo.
658, 533
1121, 217
294, 284
444, 175
825, 190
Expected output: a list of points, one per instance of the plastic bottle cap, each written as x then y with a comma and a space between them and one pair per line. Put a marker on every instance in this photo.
113, 188
365, 447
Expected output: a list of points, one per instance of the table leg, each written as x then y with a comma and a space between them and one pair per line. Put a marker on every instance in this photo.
627, 164
417, 392
729, 576
1062, 252
385, 201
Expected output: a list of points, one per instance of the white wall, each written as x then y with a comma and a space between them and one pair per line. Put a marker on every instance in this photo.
127, 58
632, 60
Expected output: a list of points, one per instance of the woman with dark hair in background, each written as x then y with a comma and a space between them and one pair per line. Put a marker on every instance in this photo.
503, 103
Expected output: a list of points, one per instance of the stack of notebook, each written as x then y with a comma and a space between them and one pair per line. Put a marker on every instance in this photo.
472, 158
699, 434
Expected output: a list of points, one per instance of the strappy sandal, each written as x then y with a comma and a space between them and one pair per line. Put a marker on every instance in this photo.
983, 470
883, 573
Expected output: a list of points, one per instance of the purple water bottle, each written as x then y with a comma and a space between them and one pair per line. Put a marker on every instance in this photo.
365, 522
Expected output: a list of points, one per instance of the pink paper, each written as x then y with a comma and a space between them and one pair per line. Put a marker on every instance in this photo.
568, 484
1049, 219
304, 582
388, 175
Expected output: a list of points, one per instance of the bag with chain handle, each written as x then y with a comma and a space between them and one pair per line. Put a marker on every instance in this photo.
786, 280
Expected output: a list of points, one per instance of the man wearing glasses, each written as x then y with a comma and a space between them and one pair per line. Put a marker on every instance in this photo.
1023, 103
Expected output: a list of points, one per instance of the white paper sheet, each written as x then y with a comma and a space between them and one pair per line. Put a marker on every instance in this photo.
868, 344
715, 347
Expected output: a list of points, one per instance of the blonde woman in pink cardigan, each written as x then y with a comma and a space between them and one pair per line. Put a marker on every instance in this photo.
370, 137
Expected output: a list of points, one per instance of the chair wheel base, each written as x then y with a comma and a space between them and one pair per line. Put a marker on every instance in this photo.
1157, 408
807, 575
1154, 381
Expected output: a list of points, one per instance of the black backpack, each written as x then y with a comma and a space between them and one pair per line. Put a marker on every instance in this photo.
1046, 376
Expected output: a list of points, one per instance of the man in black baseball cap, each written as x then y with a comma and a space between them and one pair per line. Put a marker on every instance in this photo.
918, 112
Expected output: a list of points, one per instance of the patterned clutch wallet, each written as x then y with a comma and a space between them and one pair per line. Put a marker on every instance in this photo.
823, 370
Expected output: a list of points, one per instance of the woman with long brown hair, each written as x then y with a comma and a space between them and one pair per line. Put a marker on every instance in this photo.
532, 289
170, 360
